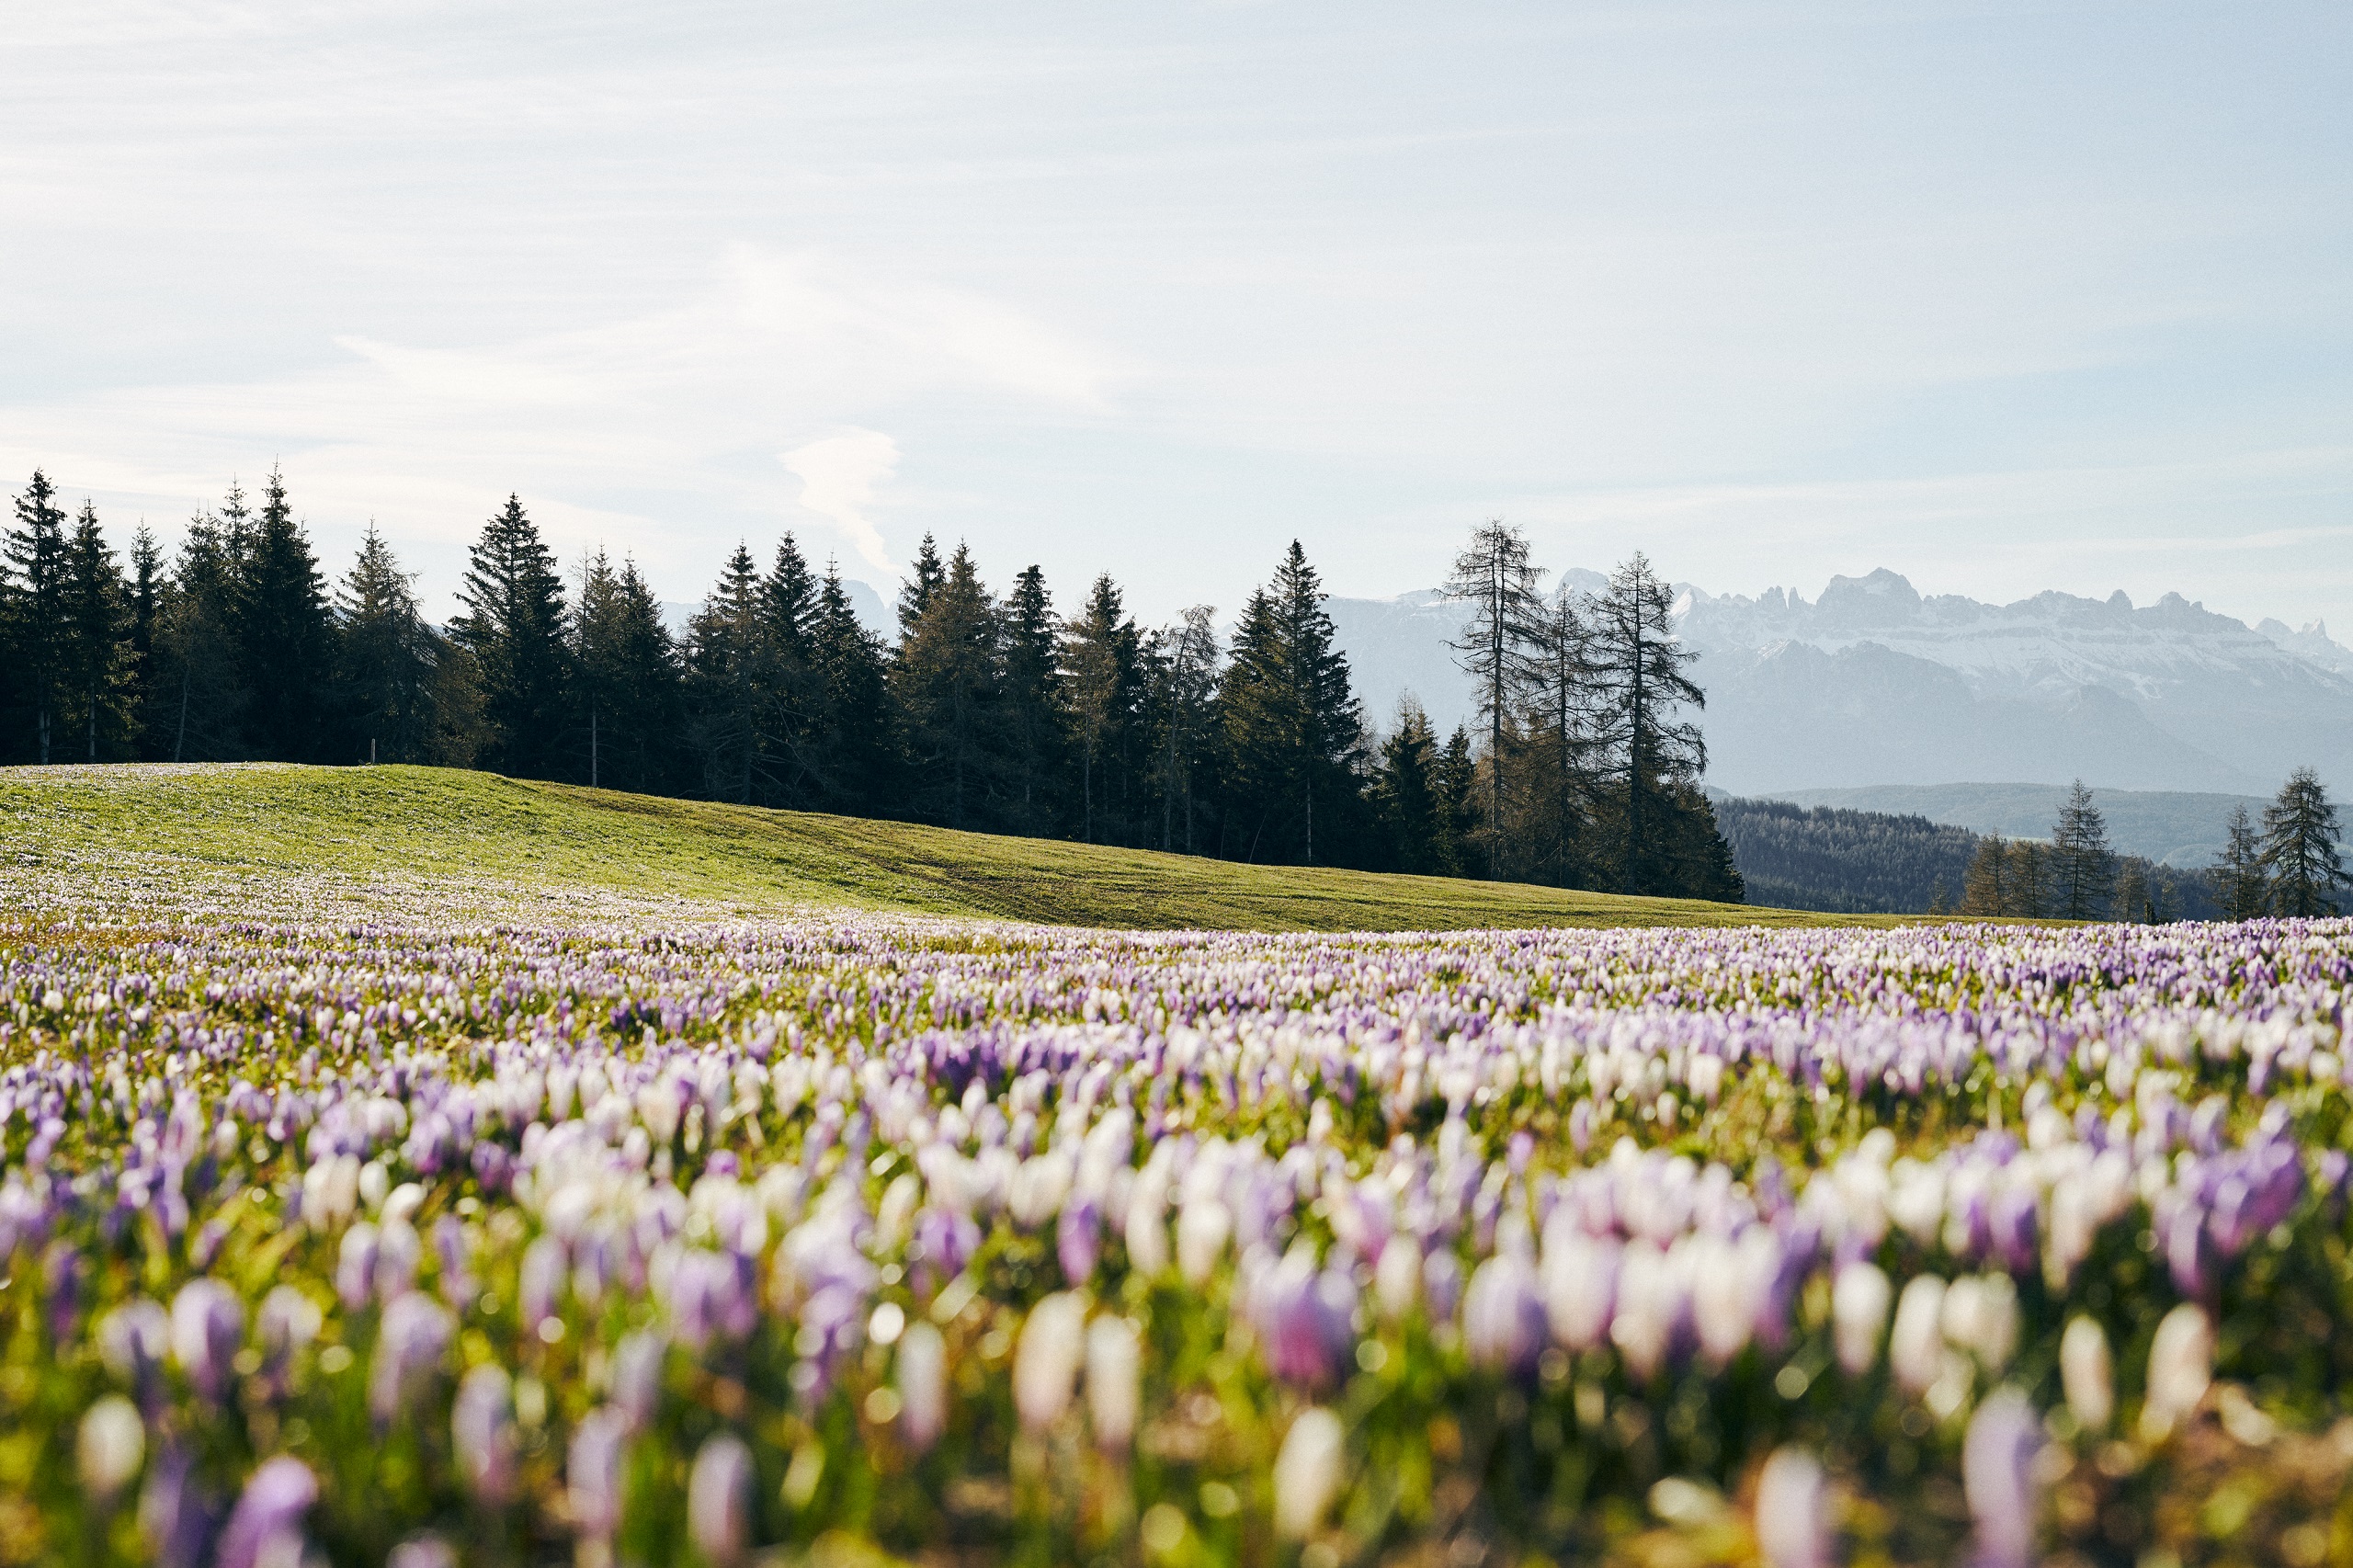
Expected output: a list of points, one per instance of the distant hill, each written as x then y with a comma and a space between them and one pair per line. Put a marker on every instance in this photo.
2175, 828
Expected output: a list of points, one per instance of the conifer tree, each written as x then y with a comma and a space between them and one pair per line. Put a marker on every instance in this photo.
199, 705
2300, 848
94, 672
1293, 730
854, 748
628, 678
1186, 704
946, 682
149, 585
284, 633
514, 627
1035, 738
729, 673
2032, 881
1987, 888
1560, 684
1497, 647
2135, 901
1455, 784
924, 580
1406, 795
2083, 868
32, 575
2242, 885
1638, 670
387, 662
1102, 658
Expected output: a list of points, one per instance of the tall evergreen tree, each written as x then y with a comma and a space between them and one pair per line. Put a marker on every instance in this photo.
95, 672
729, 673
1406, 796
946, 682
514, 628
1497, 645
628, 680
149, 585
2299, 839
1036, 742
285, 634
1294, 732
2083, 868
199, 695
2242, 885
1102, 653
1185, 705
33, 575
387, 663
1638, 667
853, 745
924, 579
1987, 888
2032, 882
1559, 745
1455, 783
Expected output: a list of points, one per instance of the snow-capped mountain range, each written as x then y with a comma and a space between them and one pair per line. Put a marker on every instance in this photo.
1873, 684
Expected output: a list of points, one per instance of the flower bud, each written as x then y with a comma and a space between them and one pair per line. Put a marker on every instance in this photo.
1503, 1326
415, 1336
110, 1447
2087, 1374
922, 1385
265, 1528
1792, 1531
481, 1432
1202, 1227
1307, 1471
719, 1500
1114, 1382
2181, 1364
1916, 1346
1858, 1301
592, 1473
1998, 1477
1046, 1361
208, 1325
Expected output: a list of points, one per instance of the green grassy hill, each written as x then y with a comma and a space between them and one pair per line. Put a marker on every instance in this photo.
434, 823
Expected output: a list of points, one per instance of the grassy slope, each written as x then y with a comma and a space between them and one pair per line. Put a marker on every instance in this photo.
413, 821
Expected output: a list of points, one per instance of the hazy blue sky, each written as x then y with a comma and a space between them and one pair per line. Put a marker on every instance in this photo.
2003, 297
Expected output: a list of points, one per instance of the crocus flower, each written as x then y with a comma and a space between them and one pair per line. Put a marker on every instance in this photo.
1304, 1319
2085, 1375
481, 1432
355, 1275
1307, 1471
1046, 1360
1114, 1380
1916, 1346
1791, 1503
637, 1378
2181, 1365
266, 1525
922, 1385
414, 1337
1998, 1477
719, 1500
110, 1447
208, 1325
592, 1473
1858, 1301
1504, 1326
175, 1518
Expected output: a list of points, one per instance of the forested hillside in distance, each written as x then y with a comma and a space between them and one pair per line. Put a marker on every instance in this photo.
1843, 861
1851, 862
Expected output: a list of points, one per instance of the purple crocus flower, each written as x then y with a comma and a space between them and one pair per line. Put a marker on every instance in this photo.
267, 1522
1441, 1285
415, 1336
541, 1284
637, 1378
1790, 1529
592, 1473
1306, 1321
355, 1274
208, 1325
1997, 1476
481, 1432
719, 1500
1503, 1322
175, 1518
1078, 1237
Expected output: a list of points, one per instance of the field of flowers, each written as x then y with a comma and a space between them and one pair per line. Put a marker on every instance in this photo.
634, 1237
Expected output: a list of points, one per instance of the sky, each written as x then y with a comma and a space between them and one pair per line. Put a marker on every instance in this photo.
2003, 297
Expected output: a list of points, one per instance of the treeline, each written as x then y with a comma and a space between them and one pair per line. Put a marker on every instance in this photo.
1000, 714
1843, 861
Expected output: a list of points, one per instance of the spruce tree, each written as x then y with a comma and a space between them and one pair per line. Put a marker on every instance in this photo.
924, 580
2032, 885
1638, 671
1455, 783
2241, 885
514, 627
1987, 888
854, 748
1559, 750
1186, 707
628, 680
285, 632
1294, 733
199, 695
1498, 647
149, 586
387, 662
1036, 741
2300, 849
946, 686
32, 580
1102, 657
1406, 795
729, 674
94, 684
2083, 868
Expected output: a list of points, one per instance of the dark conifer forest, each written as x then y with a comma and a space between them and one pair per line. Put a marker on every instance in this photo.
1000, 713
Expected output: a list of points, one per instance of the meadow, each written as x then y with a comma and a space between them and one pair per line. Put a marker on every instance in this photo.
423, 1175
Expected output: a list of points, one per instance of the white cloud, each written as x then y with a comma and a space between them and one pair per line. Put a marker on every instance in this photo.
838, 476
